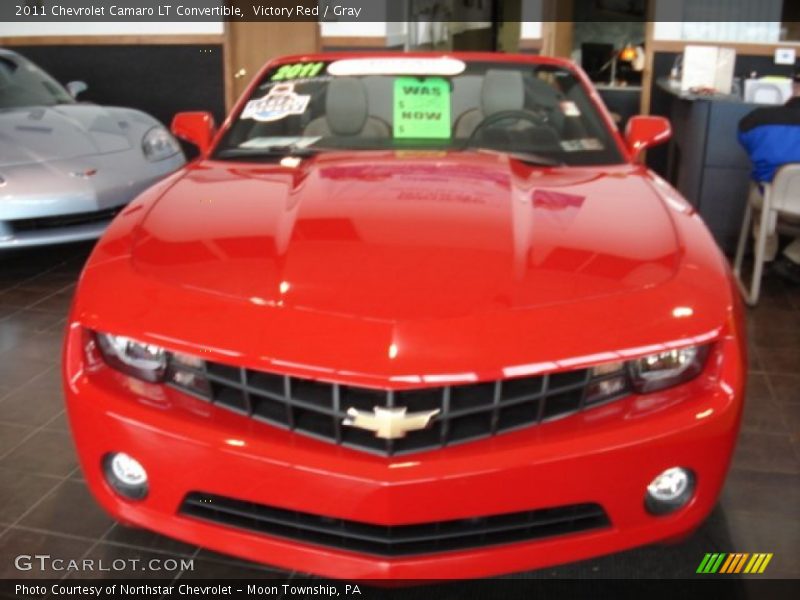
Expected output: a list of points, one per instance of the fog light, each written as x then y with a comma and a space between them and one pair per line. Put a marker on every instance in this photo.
669, 491
126, 475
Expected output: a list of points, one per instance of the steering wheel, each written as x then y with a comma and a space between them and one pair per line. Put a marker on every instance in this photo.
536, 119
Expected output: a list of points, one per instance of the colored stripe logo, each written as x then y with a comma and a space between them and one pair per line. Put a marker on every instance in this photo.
737, 562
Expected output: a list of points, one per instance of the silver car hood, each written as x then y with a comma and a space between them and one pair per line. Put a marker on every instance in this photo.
42, 134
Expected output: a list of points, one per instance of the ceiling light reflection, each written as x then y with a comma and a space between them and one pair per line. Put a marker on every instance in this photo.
680, 312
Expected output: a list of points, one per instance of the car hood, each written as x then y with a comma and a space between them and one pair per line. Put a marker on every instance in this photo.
42, 134
390, 236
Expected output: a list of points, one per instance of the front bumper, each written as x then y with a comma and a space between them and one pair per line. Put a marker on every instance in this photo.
52, 235
606, 455
45, 193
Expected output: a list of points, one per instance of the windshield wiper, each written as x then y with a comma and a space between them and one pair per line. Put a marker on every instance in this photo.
529, 158
271, 152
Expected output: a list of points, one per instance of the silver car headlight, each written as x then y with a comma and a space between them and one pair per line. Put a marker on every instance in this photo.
666, 369
158, 144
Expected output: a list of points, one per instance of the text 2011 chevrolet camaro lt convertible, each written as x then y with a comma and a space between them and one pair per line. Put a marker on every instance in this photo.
413, 316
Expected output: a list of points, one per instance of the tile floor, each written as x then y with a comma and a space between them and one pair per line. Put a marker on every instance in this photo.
45, 507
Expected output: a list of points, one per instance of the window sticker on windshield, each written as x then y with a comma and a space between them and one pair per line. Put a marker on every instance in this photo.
297, 71
581, 144
276, 142
421, 108
570, 109
279, 103
396, 66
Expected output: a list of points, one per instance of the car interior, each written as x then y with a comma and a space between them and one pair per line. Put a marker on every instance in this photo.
503, 109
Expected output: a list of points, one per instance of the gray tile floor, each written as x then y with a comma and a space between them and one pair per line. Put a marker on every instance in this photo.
45, 507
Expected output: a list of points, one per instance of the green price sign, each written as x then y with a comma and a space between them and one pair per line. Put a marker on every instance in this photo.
421, 107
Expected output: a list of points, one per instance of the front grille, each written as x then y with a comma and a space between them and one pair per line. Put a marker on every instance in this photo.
395, 540
71, 220
467, 412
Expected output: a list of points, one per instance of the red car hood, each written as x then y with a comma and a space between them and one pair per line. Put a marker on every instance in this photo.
395, 270
405, 238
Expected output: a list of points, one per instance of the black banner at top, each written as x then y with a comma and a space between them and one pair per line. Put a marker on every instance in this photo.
33, 11
355, 11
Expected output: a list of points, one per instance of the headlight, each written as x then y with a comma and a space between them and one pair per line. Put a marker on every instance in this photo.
158, 144
154, 364
144, 361
647, 374
666, 369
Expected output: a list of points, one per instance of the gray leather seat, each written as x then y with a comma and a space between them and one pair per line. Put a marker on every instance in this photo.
347, 113
502, 91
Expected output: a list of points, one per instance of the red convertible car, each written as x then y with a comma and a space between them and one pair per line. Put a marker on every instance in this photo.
409, 316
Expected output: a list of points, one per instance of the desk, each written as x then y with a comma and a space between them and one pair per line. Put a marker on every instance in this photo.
623, 100
705, 161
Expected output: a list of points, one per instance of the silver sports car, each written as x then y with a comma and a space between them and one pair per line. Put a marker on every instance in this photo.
66, 168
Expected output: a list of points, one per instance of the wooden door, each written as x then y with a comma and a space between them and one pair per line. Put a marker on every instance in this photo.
557, 27
249, 45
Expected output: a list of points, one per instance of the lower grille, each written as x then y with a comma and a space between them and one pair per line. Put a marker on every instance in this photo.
397, 540
70, 220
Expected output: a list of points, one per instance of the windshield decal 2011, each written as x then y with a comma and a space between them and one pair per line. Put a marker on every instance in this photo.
421, 107
298, 71
279, 103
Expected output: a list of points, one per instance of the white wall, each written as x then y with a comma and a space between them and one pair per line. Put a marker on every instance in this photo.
348, 29
531, 30
395, 32
109, 28
328, 29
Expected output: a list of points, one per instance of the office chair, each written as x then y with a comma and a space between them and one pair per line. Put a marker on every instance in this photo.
763, 93
779, 204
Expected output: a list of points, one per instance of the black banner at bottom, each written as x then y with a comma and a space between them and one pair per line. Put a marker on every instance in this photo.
505, 588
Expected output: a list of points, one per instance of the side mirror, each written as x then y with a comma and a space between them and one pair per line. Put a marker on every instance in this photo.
194, 127
76, 87
643, 132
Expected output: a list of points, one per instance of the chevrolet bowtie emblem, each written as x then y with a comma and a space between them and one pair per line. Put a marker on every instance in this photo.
389, 423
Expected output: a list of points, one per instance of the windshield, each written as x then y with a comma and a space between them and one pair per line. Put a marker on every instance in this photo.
539, 111
22, 84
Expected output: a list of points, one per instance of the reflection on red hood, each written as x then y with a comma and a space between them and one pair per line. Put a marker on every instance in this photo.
418, 237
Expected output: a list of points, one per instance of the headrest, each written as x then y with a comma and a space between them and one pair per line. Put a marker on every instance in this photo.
543, 93
501, 91
346, 108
